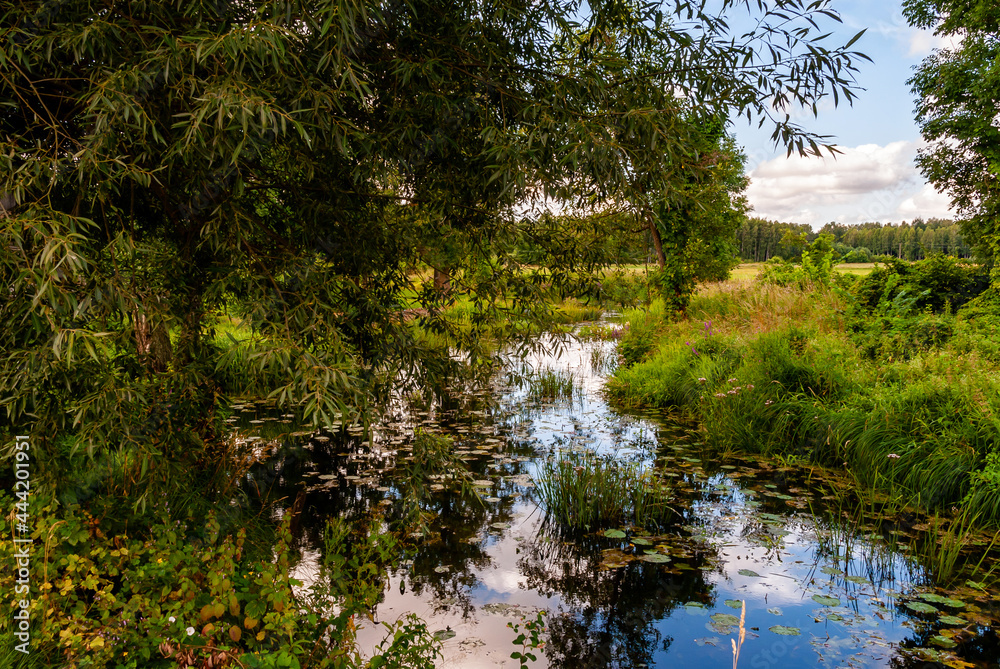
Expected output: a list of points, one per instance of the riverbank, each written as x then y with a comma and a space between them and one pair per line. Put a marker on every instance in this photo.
907, 408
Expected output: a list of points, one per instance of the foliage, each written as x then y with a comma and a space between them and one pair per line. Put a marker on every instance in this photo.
902, 309
182, 594
780, 272
530, 638
858, 255
290, 163
816, 268
817, 260
957, 90
696, 230
637, 340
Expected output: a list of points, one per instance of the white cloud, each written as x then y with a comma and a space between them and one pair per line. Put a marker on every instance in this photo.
928, 203
923, 42
863, 183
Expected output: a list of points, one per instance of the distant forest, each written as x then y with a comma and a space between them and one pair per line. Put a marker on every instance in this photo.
759, 239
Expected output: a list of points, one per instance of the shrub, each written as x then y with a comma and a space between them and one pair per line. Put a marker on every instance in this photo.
181, 594
857, 255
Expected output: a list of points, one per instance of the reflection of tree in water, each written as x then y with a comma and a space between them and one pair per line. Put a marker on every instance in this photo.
460, 523
612, 614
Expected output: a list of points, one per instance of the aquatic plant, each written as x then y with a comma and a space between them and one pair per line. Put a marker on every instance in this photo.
552, 384
590, 492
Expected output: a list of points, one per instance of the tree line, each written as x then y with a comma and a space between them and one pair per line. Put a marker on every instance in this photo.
759, 239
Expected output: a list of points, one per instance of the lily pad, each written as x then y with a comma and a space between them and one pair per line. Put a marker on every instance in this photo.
639, 541
857, 579
749, 572
442, 635
614, 534
695, 609
734, 604
941, 599
784, 630
500, 526
724, 619
775, 611
832, 571
942, 642
953, 620
826, 601
921, 607
656, 558
707, 641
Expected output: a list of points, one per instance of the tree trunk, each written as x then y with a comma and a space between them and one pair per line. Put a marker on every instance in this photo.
152, 343
442, 281
661, 260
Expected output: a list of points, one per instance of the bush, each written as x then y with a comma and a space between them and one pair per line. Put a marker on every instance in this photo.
181, 594
780, 272
857, 255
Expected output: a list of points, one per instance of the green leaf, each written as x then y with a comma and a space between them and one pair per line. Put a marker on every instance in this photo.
785, 631
825, 600
724, 619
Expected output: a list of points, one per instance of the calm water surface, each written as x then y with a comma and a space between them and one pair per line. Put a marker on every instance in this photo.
817, 592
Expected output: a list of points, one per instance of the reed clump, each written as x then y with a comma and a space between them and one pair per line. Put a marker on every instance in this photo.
589, 492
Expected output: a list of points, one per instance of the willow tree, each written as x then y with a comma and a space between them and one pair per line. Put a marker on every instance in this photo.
288, 161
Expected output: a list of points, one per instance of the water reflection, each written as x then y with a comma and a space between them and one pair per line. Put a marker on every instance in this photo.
817, 588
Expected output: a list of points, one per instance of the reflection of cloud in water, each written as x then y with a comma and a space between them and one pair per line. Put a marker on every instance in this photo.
635, 613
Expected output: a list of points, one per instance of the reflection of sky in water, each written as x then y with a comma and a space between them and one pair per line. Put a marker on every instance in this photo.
731, 523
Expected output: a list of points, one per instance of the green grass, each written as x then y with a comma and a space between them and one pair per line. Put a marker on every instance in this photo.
775, 370
749, 271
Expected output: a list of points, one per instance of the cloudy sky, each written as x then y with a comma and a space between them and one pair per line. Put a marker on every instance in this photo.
875, 178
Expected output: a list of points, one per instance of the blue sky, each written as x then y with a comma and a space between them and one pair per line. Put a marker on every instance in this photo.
875, 179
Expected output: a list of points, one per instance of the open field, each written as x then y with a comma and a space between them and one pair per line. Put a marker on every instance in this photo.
747, 271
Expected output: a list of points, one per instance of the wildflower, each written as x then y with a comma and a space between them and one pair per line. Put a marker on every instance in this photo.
190, 631
172, 619
749, 386
733, 391
768, 403
892, 456
702, 379
720, 395
733, 380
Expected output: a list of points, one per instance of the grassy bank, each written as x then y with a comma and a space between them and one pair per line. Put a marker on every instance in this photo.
904, 401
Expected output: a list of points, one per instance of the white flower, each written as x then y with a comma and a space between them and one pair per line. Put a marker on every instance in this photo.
172, 619
190, 631
892, 456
